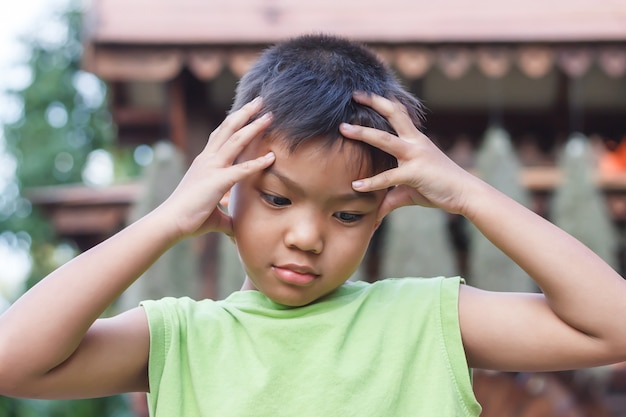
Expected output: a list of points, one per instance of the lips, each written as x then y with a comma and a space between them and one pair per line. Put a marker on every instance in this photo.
294, 274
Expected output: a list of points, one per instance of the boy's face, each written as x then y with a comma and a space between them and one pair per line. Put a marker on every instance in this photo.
300, 228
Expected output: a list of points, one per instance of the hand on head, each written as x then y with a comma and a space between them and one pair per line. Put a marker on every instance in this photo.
214, 171
425, 175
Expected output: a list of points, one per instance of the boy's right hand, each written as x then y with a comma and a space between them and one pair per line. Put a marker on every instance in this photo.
52, 344
193, 204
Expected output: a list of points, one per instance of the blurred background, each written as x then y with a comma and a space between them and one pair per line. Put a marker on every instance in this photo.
104, 103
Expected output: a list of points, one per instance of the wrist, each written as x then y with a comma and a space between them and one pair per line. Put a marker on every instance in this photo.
476, 199
162, 226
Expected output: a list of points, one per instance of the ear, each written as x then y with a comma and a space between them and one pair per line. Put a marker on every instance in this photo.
223, 204
378, 223
383, 210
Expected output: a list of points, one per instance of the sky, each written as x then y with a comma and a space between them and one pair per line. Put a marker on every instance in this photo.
17, 18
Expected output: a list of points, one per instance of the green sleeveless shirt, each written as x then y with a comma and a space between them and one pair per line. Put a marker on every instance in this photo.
391, 348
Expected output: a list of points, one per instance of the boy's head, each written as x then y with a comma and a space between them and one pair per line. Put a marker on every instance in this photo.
307, 83
300, 228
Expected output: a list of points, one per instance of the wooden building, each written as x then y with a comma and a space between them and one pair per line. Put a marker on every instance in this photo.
541, 69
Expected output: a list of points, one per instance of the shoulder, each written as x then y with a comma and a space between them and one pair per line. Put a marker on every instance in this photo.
179, 312
179, 304
412, 298
415, 286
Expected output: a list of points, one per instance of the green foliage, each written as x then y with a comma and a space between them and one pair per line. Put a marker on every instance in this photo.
111, 407
59, 126
64, 118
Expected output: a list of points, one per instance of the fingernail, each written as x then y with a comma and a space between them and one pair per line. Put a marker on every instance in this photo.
256, 100
270, 155
358, 184
346, 126
267, 116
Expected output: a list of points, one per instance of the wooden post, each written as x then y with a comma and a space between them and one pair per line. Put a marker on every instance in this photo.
176, 112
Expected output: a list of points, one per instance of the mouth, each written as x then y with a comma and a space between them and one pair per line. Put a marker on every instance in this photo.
293, 274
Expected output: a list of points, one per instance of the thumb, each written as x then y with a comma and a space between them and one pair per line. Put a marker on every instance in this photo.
224, 223
218, 221
394, 199
401, 196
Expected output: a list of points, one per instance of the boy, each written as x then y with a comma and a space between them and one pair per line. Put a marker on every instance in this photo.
309, 171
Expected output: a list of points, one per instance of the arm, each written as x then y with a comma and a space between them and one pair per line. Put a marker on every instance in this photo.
575, 323
52, 344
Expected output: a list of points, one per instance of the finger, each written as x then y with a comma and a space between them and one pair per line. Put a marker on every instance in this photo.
397, 197
380, 139
387, 206
382, 181
244, 169
220, 220
232, 123
238, 141
224, 223
393, 111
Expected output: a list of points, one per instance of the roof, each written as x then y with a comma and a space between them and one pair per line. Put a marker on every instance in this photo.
230, 22
86, 214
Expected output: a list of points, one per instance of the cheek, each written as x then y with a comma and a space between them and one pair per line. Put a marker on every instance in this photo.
353, 245
241, 207
239, 215
246, 212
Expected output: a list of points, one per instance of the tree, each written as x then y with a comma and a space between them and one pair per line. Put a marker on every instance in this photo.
64, 119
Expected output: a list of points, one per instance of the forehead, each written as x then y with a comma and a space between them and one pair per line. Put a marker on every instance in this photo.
314, 169
328, 152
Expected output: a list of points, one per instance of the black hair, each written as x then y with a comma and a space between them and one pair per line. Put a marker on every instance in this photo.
307, 83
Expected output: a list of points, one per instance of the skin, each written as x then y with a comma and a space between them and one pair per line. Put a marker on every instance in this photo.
574, 324
316, 228
53, 346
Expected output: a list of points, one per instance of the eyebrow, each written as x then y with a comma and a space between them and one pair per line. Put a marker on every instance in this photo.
351, 196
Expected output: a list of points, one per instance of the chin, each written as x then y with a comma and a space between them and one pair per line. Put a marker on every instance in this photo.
292, 300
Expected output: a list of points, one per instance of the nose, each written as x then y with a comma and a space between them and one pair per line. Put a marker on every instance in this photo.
306, 234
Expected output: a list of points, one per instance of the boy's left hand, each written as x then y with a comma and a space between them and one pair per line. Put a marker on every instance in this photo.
424, 176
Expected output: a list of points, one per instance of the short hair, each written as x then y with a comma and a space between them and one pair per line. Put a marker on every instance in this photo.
307, 83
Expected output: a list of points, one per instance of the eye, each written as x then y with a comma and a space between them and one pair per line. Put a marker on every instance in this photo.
344, 217
275, 200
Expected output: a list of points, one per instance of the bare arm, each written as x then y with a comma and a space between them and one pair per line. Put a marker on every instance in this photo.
575, 324
41, 333
51, 343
